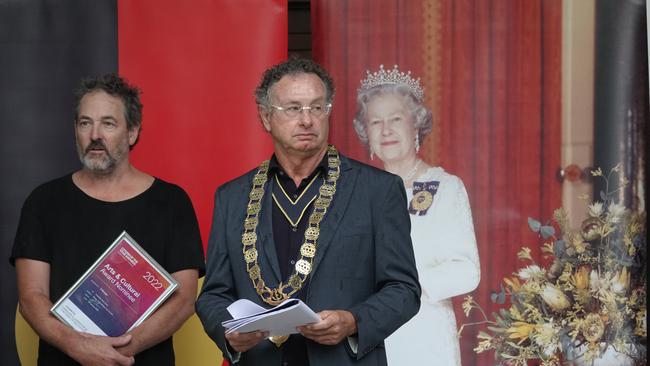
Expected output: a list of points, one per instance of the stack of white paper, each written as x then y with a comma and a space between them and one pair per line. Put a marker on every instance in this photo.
280, 320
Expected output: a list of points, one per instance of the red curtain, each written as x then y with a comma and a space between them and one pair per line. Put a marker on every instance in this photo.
350, 37
492, 75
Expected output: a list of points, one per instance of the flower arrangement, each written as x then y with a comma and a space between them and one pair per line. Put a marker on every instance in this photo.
591, 298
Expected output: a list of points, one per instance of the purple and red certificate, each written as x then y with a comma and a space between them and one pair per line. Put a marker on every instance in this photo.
117, 293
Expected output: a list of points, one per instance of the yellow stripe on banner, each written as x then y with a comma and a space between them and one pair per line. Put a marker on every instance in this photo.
26, 341
192, 346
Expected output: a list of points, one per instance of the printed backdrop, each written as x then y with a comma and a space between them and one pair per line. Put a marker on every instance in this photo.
197, 63
492, 73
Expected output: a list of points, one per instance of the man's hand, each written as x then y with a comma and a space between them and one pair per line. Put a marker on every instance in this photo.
34, 297
242, 342
335, 325
94, 350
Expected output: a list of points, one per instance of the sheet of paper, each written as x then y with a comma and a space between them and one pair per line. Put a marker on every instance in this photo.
280, 320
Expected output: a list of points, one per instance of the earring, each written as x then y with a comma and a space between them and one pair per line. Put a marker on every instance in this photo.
417, 142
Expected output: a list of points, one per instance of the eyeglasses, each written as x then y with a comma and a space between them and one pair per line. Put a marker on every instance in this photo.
316, 110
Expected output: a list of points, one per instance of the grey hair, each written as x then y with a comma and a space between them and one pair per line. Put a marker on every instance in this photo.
423, 119
292, 66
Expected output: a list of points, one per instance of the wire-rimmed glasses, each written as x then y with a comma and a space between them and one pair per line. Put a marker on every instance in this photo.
293, 111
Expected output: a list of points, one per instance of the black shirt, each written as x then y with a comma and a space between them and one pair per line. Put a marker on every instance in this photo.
68, 229
288, 240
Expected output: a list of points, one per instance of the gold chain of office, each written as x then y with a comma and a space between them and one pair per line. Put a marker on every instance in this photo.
302, 268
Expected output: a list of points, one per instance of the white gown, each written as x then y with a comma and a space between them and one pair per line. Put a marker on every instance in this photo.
447, 261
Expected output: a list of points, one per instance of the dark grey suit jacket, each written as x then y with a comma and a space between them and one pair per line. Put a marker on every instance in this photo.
364, 264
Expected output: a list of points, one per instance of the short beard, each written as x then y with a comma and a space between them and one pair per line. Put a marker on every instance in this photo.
101, 165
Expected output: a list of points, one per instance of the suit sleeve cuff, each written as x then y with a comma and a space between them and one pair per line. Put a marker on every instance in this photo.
232, 355
353, 344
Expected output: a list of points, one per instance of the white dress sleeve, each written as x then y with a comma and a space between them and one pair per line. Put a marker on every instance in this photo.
448, 263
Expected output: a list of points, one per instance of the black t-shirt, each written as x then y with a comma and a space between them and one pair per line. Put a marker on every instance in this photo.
68, 229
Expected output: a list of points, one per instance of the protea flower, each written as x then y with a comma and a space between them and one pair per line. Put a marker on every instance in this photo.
581, 278
531, 273
593, 327
616, 212
595, 209
520, 331
621, 281
590, 229
555, 298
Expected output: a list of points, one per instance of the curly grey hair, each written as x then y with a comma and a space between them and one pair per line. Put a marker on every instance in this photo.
423, 120
293, 65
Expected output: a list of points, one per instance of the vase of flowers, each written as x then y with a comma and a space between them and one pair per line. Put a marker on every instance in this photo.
588, 307
607, 356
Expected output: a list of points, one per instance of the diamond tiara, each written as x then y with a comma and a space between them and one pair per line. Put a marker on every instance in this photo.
393, 76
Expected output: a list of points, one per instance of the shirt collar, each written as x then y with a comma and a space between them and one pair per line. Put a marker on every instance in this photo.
275, 167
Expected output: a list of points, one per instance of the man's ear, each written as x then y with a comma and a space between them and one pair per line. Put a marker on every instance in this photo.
265, 116
133, 135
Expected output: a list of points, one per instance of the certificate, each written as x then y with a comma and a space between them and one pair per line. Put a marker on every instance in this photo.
117, 293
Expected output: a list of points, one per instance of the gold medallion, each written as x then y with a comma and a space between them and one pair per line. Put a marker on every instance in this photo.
315, 217
303, 267
256, 194
308, 250
253, 208
249, 238
250, 224
327, 190
312, 233
250, 255
322, 202
278, 340
294, 281
258, 179
254, 272
422, 201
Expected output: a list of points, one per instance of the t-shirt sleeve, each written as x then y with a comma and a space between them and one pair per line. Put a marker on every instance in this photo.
185, 250
30, 237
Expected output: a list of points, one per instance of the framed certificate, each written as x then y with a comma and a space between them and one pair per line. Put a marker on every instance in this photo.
117, 293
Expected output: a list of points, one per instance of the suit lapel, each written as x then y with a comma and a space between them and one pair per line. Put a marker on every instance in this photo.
334, 216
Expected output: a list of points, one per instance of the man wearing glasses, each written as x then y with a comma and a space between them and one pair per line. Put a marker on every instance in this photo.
314, 225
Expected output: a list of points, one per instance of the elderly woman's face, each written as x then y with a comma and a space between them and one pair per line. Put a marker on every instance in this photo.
391, 128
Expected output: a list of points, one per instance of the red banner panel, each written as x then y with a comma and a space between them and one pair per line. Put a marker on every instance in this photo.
198, 63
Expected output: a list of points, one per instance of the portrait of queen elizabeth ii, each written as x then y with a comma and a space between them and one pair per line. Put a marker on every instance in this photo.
392, 121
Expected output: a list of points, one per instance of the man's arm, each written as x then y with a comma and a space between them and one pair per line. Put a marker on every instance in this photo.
397, 296
219, 289
168, 318
34, 298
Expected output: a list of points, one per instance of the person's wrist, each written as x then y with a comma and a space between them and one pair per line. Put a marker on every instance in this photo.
351, 323
72, 343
